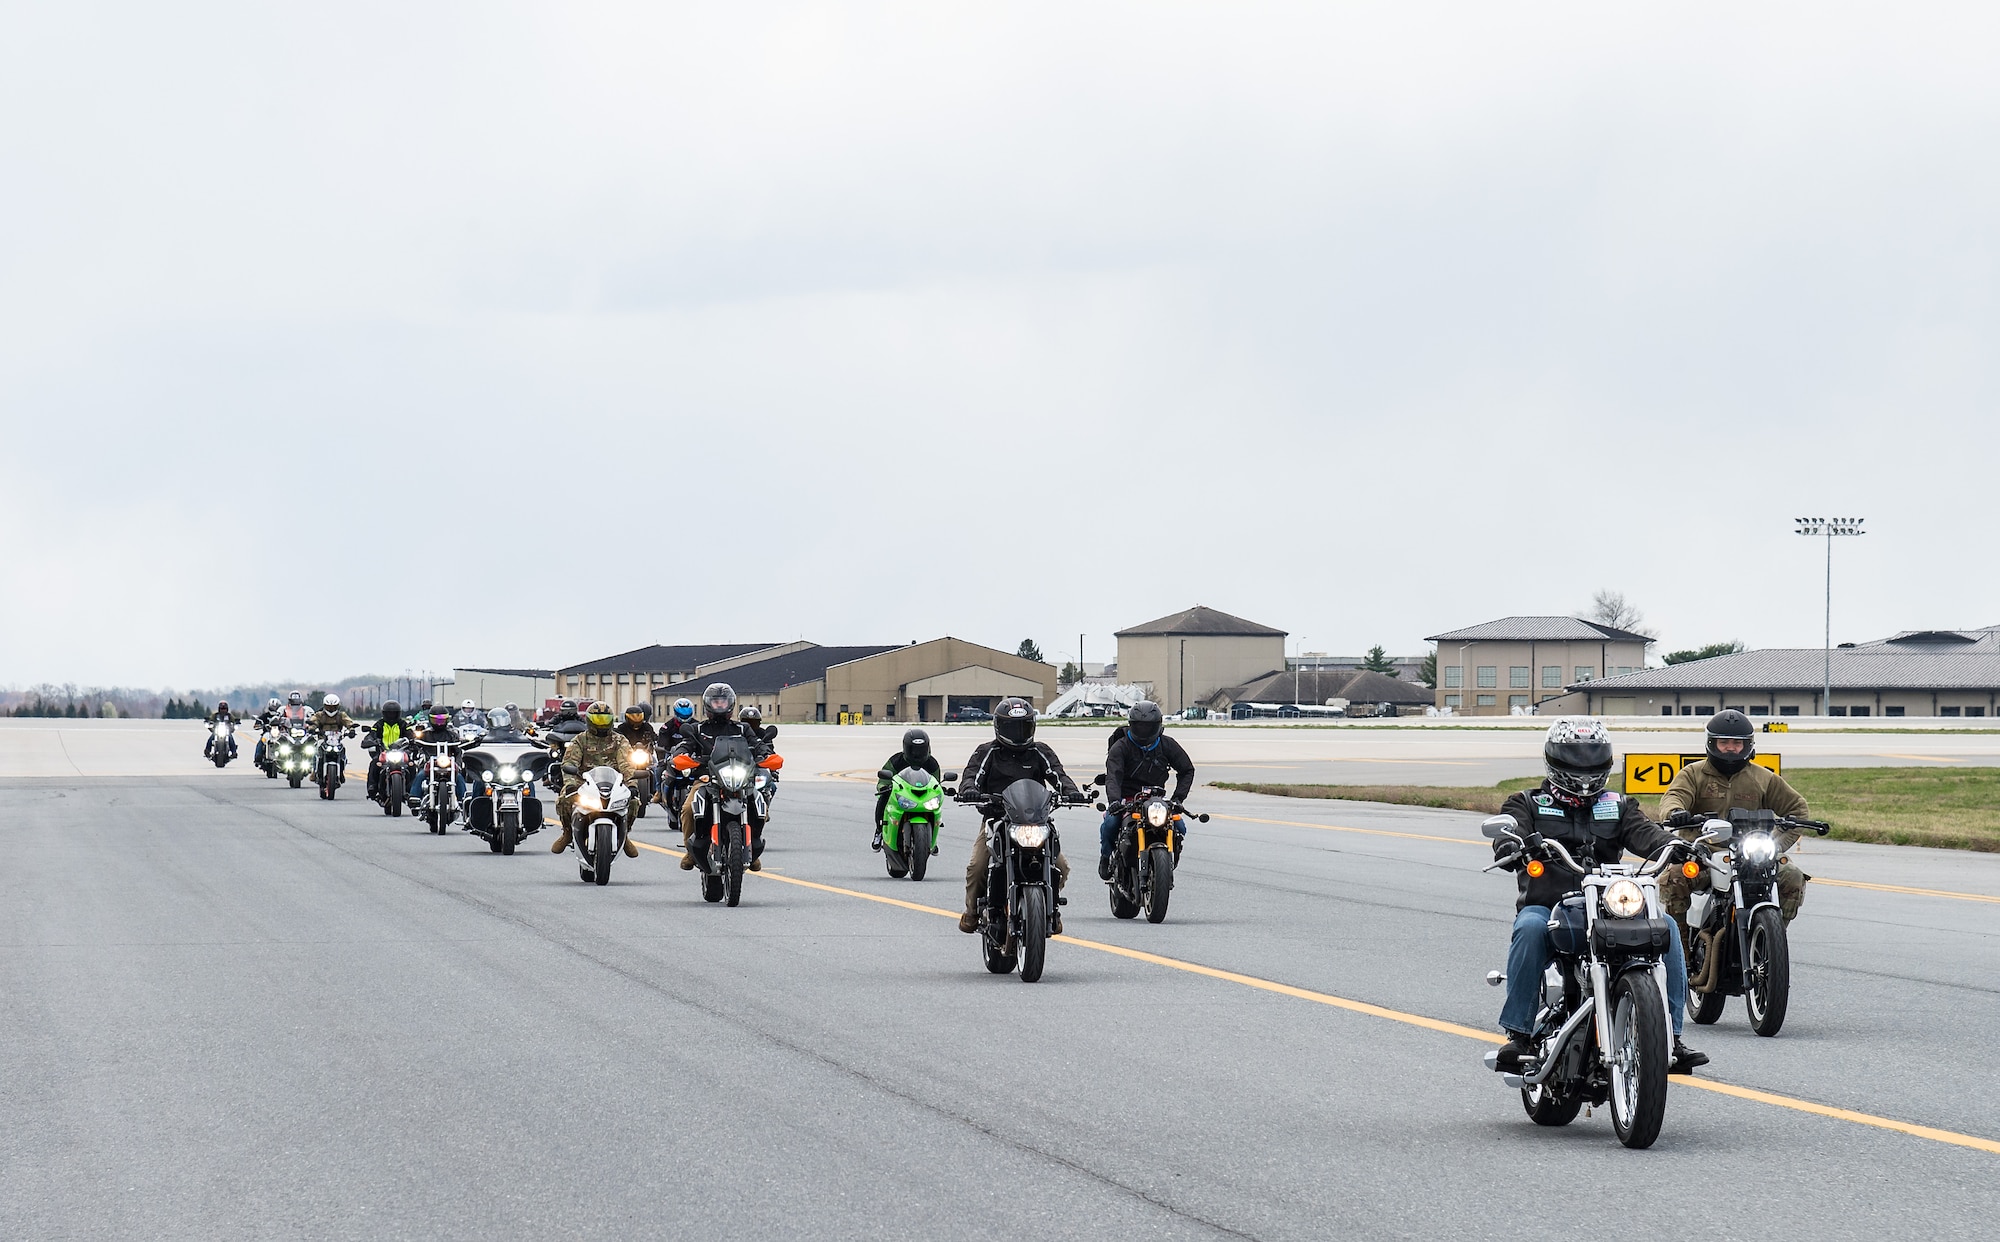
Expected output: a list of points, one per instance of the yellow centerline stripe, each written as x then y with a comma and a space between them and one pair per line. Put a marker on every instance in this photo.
1409, 1019
1898, 888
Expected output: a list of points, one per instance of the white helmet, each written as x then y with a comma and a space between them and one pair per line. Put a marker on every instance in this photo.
330, 702
469, 705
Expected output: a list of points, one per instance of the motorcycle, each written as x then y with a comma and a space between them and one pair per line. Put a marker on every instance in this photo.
1021, 881
641, 760
439, 805
1142, 867
910, 820
1602, 1032
1736, 943
295, 754
598, 824
732, 807
330, 762
503, 807
266, 754
394, 789
221, 743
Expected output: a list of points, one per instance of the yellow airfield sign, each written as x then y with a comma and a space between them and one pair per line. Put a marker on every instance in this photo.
1651, 774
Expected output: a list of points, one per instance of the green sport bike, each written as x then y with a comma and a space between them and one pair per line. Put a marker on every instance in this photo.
910, 820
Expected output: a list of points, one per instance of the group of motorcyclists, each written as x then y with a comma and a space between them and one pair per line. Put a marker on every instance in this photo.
1571, 808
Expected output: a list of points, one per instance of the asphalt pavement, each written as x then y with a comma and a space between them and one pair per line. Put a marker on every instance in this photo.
234, 1010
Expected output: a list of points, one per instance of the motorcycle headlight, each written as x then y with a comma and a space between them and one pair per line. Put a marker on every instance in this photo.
444, 761
1759, 847
906, 802
733, 775
933, 804
508, 775
587, 799
1156, 814
1032, 836
1624, 899
284, 750
640, 759
393, 756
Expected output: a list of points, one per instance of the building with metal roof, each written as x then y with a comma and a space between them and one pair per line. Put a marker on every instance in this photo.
1523, 663
1188, 656
629, 676
1940, 673
1358, 691
906, 683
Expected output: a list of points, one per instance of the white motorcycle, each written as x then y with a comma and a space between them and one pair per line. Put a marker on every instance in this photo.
597, 823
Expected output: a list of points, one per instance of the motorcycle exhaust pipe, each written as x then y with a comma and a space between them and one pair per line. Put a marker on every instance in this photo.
1711, 961
1560, 1045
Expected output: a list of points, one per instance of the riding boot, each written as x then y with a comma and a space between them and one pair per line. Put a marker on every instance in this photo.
631, 847
561, 842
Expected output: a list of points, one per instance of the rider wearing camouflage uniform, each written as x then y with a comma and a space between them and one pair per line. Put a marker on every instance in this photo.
596, 747
1728, 779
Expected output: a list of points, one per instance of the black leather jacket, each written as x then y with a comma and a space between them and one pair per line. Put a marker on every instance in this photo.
1602, 829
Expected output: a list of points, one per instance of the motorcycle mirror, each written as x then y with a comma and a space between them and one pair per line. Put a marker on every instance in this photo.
951, 776
1717, 832
1098, 779
883, 774
1202, 818
1498, 826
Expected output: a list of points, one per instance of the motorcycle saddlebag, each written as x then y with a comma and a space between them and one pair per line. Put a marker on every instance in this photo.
1567, 926
1640, 935
479, 813
531, 814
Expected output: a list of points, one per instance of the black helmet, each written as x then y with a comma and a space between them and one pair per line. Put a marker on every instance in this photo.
719, 700
916, 746
637, 711
1144, 722
751, 714
1730, 723
568, 707
1014, 722
1578, 756
295, 699
599, 717
440, 717
392, 711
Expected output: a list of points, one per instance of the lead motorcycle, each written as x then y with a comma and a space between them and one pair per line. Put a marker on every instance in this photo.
731, 806
1022, 885
1602, 1032
221, 743
503, 807
1144, 853
599, 823
1736, 943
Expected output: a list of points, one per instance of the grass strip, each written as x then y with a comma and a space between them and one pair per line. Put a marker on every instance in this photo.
1944, 807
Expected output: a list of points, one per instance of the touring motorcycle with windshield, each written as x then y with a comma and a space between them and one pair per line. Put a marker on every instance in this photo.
1144, 853
1021, 881
294, 752
910, 820
726, 816
503, 807
1602, 1033
1736, 943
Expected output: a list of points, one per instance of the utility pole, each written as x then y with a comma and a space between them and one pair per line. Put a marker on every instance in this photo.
1828, 528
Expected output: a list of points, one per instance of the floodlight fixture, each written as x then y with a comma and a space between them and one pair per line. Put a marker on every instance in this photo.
1828, 528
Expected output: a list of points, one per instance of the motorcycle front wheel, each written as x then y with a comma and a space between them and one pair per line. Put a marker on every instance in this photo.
297, 779
1767, 976
1160, 860
1638, 1057
509, 831
1034, 932
917, 848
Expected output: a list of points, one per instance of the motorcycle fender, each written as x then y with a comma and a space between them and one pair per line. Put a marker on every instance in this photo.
733, 807
1762, 905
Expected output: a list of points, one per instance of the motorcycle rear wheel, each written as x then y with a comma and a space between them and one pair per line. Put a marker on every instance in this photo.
1161, 862
711, 887
892, 856
1704, 1007
1767, 976
1034, 932
1546, 1108
1638, 1057
998, 960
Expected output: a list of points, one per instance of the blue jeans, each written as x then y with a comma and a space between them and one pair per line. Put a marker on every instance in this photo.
1107, 834
423, 772
1528, 957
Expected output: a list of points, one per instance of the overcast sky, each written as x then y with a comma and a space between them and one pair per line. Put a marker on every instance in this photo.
872, 323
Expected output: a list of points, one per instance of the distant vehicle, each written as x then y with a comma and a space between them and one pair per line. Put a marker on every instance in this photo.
962, 714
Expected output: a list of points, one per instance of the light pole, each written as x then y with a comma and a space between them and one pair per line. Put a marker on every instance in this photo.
1828, 527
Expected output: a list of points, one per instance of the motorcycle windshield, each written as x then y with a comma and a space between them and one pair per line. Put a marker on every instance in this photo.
916, 778
1027, 802
728, 748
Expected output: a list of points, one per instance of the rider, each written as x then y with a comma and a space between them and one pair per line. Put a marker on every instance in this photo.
435, 727
331, 719
1727, 779
596, 747
915, 753
1141, 755
762, 739
221, 714
1012, 755
266, 721
1573, 807
677, 783
390, 730
295, 709
637, 727
500, 730
718, 721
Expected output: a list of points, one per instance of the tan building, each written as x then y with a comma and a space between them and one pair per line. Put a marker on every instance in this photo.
1490, 669
1185, 658
631, 676
914, 683
526, 688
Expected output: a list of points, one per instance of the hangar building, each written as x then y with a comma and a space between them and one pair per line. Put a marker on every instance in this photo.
1187, 657
912, 683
